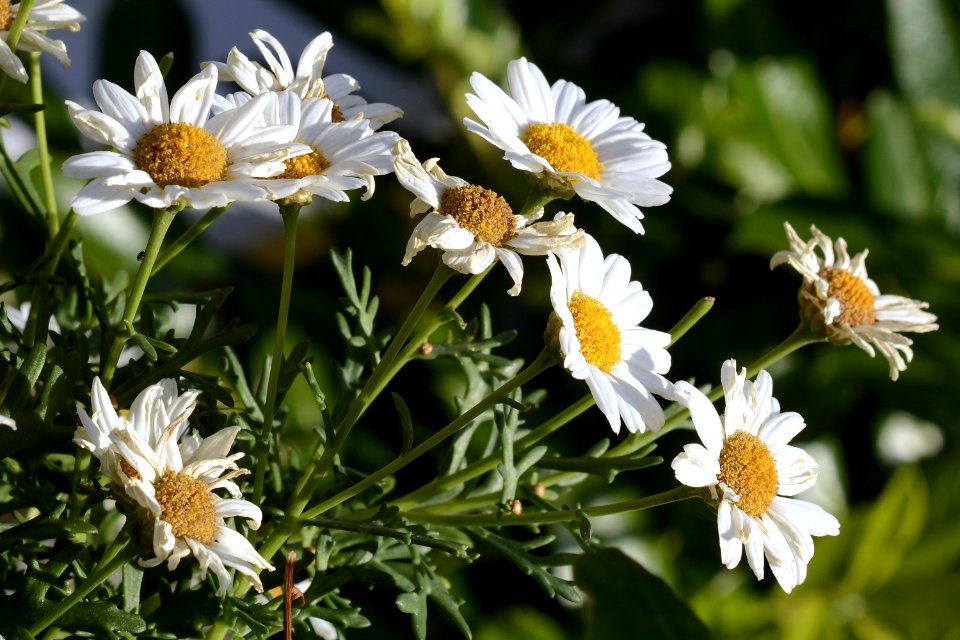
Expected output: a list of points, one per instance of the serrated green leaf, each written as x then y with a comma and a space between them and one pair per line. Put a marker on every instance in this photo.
101, 616
625, 597
414, 604
517, 554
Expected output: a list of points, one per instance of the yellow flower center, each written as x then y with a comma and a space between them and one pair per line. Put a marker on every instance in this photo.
565, 149
598, 335
181, 154
310, 164
856, 301
6, 16
335, 114
481, 212
187, 506
129, 470
747, 467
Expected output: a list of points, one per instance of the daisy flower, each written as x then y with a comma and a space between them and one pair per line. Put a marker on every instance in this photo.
599, 310
172, 152
44, 15
842, 304
343, 155
745, 458
473, 226
169, 477
570, 145
307, 81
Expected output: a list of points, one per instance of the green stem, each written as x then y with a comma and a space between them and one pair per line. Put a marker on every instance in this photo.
542, 362
690, 318
36, 329
40, 124
545, 517
117, 554
800, 337
489, 463
289, 213
535, 200
310, 480
161, 222
218, 631
381, 375
187, 237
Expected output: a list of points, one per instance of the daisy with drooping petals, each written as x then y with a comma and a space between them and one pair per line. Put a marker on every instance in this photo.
169, 478
44, 15
307, 81
841, 303
168, 153
599, 311
343, 155
571, 145
473, 226
746, 458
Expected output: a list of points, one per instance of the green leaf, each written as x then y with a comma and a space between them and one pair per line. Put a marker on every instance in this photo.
897, 169
535, 567
414, 604
789, 120
924, 49
889, 531
101, 616
406, 422
132, 580
45, 527
625, 598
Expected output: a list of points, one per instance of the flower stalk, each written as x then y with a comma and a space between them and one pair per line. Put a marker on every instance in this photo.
162, 218
290, 214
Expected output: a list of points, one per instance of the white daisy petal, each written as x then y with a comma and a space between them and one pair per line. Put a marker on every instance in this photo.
173, 152
627, 162
755, 468
846, 305
593, 297
155, 464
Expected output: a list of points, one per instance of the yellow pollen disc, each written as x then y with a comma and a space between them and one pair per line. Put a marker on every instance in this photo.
181, 154
481, 212
335, 114
6, 16
565, 149
129, 470
856, 301
747, 467
598, 335
187, 506
310, 164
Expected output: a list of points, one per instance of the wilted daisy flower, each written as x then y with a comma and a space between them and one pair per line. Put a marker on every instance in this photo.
44, 15
169, 478
599, 311
841, 303
474, 226
343, 155
569, 144
307, 81
745, 456
172, 152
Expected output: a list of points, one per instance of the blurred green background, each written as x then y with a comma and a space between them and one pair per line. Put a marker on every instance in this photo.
841, 114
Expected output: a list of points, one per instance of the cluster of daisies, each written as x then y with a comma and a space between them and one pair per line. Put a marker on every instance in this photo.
291, 134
